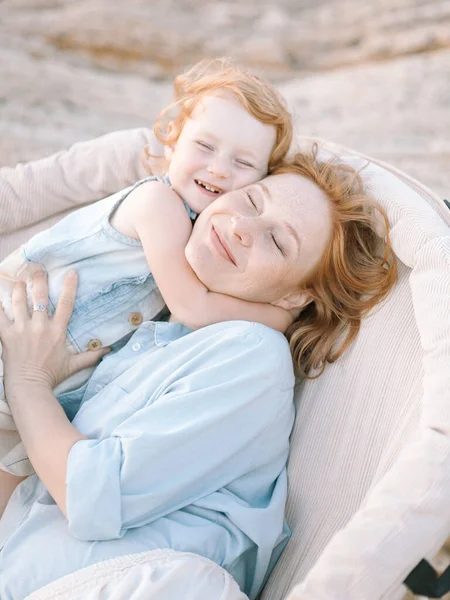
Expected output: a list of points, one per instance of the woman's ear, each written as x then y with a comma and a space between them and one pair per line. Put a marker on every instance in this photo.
294, 300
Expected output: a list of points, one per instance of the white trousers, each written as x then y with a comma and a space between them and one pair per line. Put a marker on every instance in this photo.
153, 575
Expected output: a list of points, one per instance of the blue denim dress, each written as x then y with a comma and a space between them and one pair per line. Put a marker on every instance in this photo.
116, 290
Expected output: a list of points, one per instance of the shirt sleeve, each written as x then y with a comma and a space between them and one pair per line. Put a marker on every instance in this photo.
229, 416
406, 515
33, 191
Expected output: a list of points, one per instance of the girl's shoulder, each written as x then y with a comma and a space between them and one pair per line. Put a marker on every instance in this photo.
146, 201
151, 178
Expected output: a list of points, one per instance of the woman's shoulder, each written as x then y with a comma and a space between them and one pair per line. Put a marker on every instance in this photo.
266, 349
255, 334
251, 330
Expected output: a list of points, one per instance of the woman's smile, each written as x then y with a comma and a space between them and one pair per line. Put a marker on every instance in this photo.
221, 246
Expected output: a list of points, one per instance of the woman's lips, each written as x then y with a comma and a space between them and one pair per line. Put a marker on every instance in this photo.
221, 247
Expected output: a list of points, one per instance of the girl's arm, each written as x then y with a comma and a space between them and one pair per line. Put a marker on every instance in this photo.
155, 214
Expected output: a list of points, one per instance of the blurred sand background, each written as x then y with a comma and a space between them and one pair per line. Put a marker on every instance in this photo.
371, 75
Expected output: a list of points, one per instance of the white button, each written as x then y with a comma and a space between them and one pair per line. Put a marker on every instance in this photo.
98, 387
136, 347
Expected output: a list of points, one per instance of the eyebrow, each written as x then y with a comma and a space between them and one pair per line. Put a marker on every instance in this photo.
291, 230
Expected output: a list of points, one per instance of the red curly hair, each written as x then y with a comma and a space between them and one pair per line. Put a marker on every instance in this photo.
356, 272
258, 97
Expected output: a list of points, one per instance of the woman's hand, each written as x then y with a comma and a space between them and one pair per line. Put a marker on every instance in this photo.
34, 346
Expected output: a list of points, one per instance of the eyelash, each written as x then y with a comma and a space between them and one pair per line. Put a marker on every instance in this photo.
242, 163
251, 200
277, 245
245, 164
204, 145
280, 248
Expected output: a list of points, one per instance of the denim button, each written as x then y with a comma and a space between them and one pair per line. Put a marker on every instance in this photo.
136, 347
135, 319
98, 387
94, 345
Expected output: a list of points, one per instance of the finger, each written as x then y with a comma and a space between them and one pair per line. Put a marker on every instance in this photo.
66, 300
40, 295
19, 303
87, 359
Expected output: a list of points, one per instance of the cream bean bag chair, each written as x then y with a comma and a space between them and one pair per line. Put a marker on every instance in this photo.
369, 470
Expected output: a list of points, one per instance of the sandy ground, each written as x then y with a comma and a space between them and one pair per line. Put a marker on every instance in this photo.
376, 78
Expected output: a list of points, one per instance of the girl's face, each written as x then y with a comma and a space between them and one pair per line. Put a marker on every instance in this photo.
220, 148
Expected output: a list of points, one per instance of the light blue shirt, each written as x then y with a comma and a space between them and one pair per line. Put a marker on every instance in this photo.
188, 440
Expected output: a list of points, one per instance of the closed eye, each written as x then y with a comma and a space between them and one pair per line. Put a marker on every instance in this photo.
280, 248
251, 200
204, 145
244, 163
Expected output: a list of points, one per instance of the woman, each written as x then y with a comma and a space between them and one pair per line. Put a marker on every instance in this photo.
115, 472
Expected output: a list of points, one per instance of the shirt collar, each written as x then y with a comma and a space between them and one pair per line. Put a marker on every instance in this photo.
165, 332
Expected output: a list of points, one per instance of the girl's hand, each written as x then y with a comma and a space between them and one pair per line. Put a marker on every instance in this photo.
34, 345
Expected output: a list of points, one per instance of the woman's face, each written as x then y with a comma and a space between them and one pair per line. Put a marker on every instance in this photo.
260, 242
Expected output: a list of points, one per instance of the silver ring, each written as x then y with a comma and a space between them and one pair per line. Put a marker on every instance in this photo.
40, 307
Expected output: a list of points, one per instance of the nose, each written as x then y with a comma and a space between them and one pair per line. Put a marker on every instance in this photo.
219, 167
244, 228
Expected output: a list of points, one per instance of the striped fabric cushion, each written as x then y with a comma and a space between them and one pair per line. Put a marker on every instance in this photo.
369, 469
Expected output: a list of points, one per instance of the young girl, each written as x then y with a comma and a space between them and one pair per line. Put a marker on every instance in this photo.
229, 129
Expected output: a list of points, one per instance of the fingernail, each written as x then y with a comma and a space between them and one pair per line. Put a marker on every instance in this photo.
72, 273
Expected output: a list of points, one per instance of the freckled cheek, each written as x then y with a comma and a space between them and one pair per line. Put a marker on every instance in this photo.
263, 270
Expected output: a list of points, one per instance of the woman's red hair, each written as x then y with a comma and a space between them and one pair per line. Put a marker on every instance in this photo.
356, 272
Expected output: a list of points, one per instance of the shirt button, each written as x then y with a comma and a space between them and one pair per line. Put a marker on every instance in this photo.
135, 319
136, 347
98, 387
94, 345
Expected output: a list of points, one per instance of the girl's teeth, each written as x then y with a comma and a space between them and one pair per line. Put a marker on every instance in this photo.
208, 187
